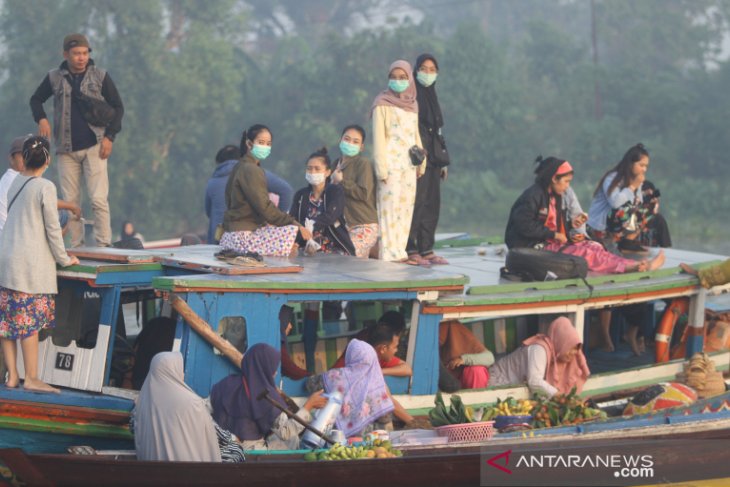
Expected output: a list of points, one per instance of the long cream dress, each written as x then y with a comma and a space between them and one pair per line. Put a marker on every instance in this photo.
394, 132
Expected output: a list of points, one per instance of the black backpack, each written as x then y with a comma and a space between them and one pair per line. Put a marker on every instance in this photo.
528, 264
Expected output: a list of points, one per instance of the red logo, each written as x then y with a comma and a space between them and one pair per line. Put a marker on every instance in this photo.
493, 461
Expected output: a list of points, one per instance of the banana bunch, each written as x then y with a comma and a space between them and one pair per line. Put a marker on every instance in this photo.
457, 413
340, 452
509, 407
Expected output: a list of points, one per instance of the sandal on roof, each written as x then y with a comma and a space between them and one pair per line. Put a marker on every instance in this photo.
436, 259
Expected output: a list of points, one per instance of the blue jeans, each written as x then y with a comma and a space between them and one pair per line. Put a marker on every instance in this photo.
63, 217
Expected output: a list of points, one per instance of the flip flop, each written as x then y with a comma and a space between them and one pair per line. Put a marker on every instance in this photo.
419, 260
436, 260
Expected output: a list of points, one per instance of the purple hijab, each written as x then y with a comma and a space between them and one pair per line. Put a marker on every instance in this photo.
361, 383
235, 399
406, 100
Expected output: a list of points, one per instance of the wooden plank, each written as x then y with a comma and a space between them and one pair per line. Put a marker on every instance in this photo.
206, 264
110, 254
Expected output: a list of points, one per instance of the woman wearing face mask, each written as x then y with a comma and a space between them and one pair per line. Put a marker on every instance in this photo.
395, 131
428, 188
356, 176
252, 223
324, 203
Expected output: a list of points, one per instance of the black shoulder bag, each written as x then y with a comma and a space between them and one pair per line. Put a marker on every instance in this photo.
96, 112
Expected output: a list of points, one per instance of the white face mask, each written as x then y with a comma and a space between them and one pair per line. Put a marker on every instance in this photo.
314, 178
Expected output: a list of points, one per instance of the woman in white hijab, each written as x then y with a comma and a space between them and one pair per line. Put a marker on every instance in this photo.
172, 423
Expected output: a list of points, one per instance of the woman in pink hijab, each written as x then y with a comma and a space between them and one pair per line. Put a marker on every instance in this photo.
549, 364
395, 131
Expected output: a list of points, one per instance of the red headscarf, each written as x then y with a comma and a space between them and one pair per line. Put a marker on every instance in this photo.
562, 337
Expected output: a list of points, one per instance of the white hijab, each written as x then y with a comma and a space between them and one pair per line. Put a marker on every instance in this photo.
171, 421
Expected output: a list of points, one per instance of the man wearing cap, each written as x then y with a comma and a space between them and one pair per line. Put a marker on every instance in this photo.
82, 148
15, 155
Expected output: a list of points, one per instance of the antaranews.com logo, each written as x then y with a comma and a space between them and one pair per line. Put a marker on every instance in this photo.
511, 468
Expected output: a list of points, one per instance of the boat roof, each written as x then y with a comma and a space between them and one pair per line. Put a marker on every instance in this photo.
325, 272
472, 276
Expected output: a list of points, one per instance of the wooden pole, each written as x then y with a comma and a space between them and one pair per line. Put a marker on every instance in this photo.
205, 330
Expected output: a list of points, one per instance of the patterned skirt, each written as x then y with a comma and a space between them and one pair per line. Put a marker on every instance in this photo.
23, 315
268, 240
364, 237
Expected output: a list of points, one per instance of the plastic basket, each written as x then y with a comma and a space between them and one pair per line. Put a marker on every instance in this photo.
467, 432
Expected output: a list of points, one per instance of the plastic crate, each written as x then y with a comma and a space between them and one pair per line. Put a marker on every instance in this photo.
467, 432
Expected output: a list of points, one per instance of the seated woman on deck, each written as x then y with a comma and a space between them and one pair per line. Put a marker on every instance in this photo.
258, 424
618, 214
171, 423
538, 219
355, 173
324, 204
464, 359
549, 364
252, 222
366, 399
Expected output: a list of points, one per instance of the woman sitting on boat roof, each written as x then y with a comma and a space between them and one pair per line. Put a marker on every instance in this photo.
366, 400
464, 359
619, 214
355, 173
549, 364
324, 204
252, 222
171, 422
538, 219
238, 405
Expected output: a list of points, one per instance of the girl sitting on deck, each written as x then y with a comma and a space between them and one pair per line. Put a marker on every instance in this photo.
324, 204
549, 364
464, 359
539, 219
618, 214
30, 246
252, 222
258, 424
171, 423
355, 173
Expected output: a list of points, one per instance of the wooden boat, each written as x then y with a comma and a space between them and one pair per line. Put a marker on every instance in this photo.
468, 289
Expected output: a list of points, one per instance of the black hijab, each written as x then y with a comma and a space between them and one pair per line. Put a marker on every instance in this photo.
429, 110
236, 406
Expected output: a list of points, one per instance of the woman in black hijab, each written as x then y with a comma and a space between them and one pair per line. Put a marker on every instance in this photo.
428, 188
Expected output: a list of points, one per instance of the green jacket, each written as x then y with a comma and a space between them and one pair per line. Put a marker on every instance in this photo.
248, 206
358, 181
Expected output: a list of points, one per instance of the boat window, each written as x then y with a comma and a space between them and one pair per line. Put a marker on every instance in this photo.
77, 318
233, 329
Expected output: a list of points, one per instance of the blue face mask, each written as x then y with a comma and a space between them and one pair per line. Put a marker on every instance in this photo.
426, 79
398, 85
349, 149
260, 152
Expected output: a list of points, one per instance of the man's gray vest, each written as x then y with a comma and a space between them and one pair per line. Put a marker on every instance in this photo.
90, 85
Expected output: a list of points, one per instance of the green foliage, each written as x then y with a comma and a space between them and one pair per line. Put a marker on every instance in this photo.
517, 79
